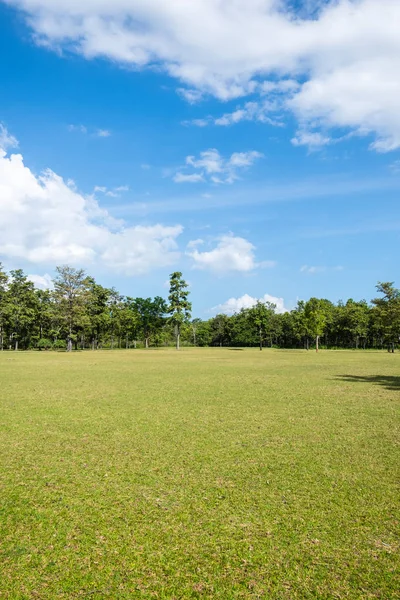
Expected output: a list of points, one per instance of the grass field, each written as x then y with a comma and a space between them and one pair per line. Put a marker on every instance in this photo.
200, 474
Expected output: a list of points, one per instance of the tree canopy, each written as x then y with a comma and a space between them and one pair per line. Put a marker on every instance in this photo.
80, 313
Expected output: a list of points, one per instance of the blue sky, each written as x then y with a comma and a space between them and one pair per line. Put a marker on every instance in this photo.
135, 145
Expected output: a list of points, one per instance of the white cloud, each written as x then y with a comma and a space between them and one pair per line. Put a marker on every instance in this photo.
211, 166
313, 270
231, 254
251, 111
235, 305
195, 243
192, 178
42, 282
6, 139
313, 139
103, 133
77, 128
191, 96
346, 53
198, 122
114, 193
45, 221
395, 166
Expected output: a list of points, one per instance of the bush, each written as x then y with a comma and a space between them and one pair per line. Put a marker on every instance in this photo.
44, 344
59, 345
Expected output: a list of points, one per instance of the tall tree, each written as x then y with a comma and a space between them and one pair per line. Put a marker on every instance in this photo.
150, 315
97, 309
261, 316
3, 304
179, 305
70, 291
315, 315
114, 307
388, 311
44, 313
21, 307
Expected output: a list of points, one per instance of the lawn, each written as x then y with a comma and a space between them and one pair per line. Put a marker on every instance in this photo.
208, 473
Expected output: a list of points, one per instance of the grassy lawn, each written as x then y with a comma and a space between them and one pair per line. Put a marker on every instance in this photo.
200, 474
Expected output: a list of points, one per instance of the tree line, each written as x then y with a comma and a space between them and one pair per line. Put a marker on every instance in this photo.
78, 313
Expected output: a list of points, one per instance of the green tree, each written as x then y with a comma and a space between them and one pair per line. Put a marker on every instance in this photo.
221, 330
71, 289
44, 315
388, 312
261, 316
21, 307
315, 316
3, 304
151, 316
179, 305
356, 321
114, 307
97, 310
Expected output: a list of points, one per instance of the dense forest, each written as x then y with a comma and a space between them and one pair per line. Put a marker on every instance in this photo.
79, 314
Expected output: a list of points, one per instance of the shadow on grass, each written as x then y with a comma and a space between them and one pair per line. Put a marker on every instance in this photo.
389, 382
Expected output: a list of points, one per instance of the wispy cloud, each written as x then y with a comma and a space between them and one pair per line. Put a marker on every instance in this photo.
301, 190
313, 139
6, 139
314, 270
192, 96
111, 193
212, 167
103, 133
100, 133
188, 178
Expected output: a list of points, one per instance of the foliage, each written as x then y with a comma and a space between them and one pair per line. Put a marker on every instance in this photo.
81, 313
179, 305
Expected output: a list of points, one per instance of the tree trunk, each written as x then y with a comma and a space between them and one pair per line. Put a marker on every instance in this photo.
308, 344
69, 345
16, 345
134, 344
357, 341
178, 337
317, 343
260, 339
147, 343
127, 342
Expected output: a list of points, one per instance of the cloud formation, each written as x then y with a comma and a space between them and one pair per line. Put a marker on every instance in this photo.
231, 254
44, 220
101, 133
235, 305
211, 166
342, 55
313, 270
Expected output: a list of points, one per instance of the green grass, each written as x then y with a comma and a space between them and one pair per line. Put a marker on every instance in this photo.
200, 474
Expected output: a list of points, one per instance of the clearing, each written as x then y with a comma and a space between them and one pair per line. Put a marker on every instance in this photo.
208, 473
